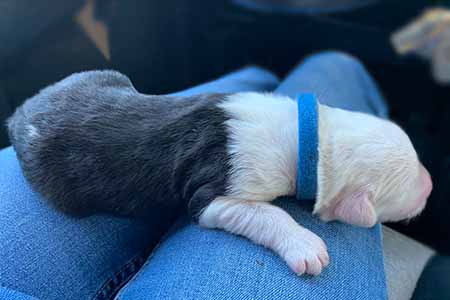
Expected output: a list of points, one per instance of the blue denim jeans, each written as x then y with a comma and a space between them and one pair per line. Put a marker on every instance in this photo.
47, 255
304, 7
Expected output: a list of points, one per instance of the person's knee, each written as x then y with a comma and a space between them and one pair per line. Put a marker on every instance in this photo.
337, 59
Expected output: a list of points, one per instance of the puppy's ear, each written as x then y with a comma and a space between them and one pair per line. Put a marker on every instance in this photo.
355, 208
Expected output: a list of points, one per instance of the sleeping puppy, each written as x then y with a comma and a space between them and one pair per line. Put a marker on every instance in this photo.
92, 144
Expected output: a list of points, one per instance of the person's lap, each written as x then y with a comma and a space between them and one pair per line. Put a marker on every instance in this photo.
196, 263
51, 256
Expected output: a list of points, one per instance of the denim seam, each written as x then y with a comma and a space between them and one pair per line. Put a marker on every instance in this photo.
148, 260
120, 278
137, 275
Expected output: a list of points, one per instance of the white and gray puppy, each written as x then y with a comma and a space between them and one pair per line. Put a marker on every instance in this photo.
91, 143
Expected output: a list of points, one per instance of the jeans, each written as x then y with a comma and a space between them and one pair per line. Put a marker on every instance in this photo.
304, 7
48, 255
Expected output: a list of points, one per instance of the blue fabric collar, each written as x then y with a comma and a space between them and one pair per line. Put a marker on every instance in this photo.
308, 145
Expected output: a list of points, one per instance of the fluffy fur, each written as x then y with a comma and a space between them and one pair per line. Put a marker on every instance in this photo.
263, 145
373, 159
91, 143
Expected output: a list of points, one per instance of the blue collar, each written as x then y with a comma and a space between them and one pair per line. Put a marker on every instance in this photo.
308, 146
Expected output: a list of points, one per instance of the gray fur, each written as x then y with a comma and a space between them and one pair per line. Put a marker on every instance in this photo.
91, 143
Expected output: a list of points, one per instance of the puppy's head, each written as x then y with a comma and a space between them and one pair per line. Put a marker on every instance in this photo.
368, 170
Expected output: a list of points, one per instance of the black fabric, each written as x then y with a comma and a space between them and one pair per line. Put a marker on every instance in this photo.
5, 111
198, 40
22, 21
434, 283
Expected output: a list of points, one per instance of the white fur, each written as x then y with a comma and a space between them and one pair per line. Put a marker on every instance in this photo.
263, 146
272, 227
361, 158
32, 132
359, 151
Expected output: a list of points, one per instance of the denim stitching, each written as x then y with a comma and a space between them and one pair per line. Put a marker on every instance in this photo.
137, 275
120, 278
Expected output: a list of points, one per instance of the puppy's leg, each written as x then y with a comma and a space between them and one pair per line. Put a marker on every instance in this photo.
272, 227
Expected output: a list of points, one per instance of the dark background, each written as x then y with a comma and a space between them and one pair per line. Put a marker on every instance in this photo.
165, 46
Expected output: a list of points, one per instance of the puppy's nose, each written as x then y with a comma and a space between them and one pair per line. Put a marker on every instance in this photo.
426, 183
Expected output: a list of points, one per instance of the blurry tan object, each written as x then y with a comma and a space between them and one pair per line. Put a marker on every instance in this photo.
429, 37
97, 31
404, 261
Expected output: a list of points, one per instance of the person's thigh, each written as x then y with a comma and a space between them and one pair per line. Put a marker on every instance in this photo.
197, 263
52, 256
48, 255
337, 80
244, 80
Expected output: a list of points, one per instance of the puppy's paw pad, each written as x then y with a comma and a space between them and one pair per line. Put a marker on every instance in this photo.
299, 267
310, 264
314, 266
307, 255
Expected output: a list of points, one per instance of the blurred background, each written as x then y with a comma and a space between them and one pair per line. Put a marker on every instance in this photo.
166, 46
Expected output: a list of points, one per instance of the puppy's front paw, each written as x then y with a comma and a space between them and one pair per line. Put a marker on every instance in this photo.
306, 253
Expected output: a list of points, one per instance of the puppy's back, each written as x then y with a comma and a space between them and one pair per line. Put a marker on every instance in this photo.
92, 143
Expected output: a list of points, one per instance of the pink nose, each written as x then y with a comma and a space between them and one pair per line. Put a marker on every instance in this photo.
426, 184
